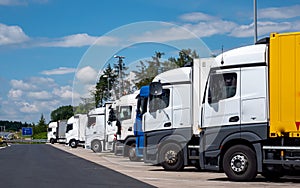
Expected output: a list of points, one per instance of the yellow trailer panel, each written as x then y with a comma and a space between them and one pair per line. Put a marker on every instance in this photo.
284, 84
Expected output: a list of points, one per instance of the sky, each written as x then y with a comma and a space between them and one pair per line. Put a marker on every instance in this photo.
53, 51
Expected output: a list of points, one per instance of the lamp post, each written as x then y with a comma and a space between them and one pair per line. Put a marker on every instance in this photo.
255, 20
120, 66
107, 76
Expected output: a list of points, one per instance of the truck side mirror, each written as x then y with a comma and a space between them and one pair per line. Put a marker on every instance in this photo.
155, 88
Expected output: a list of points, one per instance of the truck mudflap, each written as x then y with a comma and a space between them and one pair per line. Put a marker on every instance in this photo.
150, 154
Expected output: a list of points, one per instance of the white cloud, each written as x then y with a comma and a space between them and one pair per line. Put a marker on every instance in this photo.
207, 29
28, 108
280, 12
39, 95
65, 92
196, 17
76, 40
42, 82
20, 84
15, 93
59, 71
107, 41
263, 28
11, 35
87, 75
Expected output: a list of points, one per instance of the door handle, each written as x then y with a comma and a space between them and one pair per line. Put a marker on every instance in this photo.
234, 119
167, 124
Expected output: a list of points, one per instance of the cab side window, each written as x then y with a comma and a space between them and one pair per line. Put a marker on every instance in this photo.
222, 86
159, 102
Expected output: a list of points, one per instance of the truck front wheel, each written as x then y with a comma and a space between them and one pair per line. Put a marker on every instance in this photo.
132, 154
239, 163
96, 146
73, 144
171, 157
52, 141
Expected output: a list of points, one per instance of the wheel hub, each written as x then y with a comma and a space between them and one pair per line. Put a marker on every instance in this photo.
238, 163
171, 157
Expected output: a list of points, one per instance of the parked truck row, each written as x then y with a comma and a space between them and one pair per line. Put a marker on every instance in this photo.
238, 113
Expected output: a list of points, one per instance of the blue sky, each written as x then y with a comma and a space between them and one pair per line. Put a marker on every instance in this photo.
45, 45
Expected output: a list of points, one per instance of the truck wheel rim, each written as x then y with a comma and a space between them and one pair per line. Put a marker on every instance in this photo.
238, 163
171, 157
96, 146
132, 152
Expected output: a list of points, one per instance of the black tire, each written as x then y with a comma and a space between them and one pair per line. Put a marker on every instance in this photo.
52, 141
132, 154
73, 144
239, 163
171, 157
96, 146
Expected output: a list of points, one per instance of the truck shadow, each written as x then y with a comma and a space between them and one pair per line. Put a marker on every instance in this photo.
285, 179
293, 177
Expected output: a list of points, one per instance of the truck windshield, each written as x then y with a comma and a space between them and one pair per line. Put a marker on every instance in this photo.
91, 121
69, 127
159, 102
142, 105
125, 112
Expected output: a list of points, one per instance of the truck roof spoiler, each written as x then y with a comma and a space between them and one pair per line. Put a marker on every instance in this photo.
265, 40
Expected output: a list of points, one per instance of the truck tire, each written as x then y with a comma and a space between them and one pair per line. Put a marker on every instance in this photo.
52, 141
171, 157
239, 163
73, 144
132, 154
96, 146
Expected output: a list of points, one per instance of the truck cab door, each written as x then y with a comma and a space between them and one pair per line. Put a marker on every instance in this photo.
222, 99
110, 127
159, 114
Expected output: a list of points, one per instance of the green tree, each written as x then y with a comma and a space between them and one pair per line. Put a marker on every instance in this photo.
104, 86
61, 113
40, 130
185, 56
121, 86
149, 69
146, 73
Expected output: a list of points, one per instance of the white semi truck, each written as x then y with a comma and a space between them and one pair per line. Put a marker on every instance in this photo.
125, 108
56, 132
100, 130
75, 132
247, 115
169, 138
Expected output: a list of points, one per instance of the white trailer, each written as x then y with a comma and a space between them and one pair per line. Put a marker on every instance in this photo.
75, 132
100, 130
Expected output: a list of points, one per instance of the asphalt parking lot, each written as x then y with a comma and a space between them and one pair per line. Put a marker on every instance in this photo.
156, 176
